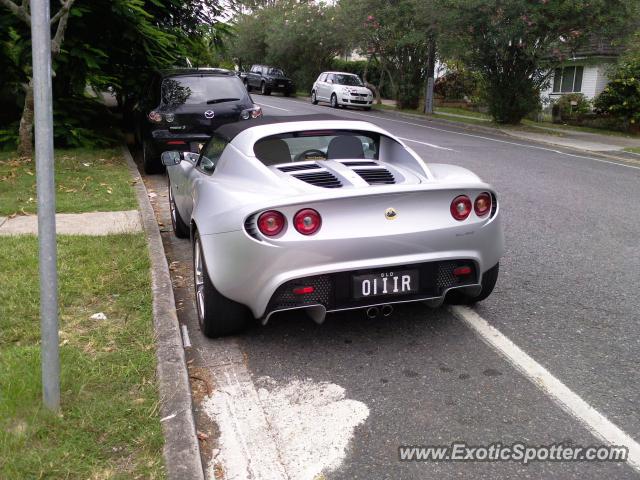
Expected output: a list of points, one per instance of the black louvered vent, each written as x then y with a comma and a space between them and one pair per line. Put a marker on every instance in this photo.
295, 168
360, 164
251, 227
319, 179
375, 176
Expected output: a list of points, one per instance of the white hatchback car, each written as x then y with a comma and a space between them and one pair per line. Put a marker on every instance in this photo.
341, 89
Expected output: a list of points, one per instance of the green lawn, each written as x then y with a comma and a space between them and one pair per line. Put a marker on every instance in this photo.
86, 181
632, 149
108, 426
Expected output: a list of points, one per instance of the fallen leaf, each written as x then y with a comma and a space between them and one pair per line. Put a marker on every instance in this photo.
98, 316
202, 435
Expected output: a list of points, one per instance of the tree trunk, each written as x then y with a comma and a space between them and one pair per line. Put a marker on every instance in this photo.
431, 67
380, 85
370, 86
25, 133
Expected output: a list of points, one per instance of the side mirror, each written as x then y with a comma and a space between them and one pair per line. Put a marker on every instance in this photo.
171, 158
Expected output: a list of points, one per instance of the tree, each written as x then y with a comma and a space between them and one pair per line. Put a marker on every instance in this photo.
300, 37
515, 44
621, 97
58, 20
396, 33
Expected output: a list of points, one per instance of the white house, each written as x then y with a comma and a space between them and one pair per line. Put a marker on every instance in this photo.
584, 71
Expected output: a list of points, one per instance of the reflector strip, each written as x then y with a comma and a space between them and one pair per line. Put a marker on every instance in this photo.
303, 290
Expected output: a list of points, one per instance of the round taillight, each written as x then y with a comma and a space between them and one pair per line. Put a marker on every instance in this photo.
307, 221
271, 223
155, 117
482, 205
461, 207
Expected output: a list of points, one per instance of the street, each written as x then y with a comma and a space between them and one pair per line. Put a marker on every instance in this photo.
566, 296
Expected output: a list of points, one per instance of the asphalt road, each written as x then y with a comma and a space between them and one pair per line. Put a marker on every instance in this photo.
567, 296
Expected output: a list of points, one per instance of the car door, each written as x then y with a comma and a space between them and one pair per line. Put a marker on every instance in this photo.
256, 76
321, 92
204, 168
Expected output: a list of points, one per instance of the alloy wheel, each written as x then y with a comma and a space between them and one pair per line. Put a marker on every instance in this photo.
198, 273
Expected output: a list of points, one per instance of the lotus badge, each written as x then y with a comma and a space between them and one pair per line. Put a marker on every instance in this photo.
390, 214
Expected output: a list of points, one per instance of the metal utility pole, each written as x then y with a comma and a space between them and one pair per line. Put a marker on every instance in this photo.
41, 60
431, 68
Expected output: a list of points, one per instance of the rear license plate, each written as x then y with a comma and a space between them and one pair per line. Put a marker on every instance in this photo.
281, 85
385, 284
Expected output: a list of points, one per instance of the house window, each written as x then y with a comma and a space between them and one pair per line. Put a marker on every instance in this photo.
567, 79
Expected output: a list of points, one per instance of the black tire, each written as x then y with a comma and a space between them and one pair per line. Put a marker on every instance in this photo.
287, 93
489, 279
334, 101
367, 108
314, 100
264, 90
180, 229
150, 159
217, 315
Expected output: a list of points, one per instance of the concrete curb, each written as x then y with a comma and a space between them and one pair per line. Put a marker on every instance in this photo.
181, 449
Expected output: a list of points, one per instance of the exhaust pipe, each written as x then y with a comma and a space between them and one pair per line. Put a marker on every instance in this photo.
387, 310
372, 312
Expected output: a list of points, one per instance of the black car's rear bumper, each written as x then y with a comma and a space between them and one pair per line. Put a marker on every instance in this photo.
166, 140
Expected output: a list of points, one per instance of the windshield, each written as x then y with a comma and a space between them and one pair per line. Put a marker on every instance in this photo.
317, 146
201, 89
352, 80
276, 71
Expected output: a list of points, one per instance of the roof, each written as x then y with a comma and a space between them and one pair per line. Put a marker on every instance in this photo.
593, 46
230, 130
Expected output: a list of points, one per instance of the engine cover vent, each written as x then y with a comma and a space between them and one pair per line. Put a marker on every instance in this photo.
360, 164
295, 168
376, 176
319, 179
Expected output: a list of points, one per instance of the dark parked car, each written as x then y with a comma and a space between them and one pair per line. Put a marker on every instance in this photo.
267, 79
180, 109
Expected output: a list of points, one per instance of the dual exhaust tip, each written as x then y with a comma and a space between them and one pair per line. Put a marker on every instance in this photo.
384, 310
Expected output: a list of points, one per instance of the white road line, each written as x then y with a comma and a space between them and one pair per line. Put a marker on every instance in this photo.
482, 137
186, 341
271, 106
597, 423
427, 144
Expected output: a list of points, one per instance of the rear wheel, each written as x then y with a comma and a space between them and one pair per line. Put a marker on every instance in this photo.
334, 101
287, 93
489, 279
314, 100
217, 315
150, 159
180, 229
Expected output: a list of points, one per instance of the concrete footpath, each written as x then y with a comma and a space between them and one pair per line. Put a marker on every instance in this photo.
92, 223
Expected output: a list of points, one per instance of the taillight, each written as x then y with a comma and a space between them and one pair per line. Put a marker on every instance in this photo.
307, 221
271, 223
482, 205
155, 117
255, 112
460, 207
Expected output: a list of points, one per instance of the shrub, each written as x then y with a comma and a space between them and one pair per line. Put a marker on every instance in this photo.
621, 98
573, 106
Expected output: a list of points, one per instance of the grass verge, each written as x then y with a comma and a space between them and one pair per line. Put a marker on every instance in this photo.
86, 181
633, 150
109, 424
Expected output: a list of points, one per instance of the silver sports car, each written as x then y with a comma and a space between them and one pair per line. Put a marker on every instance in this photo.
322, 214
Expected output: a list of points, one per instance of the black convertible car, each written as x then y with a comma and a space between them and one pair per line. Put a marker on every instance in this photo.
180, 109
